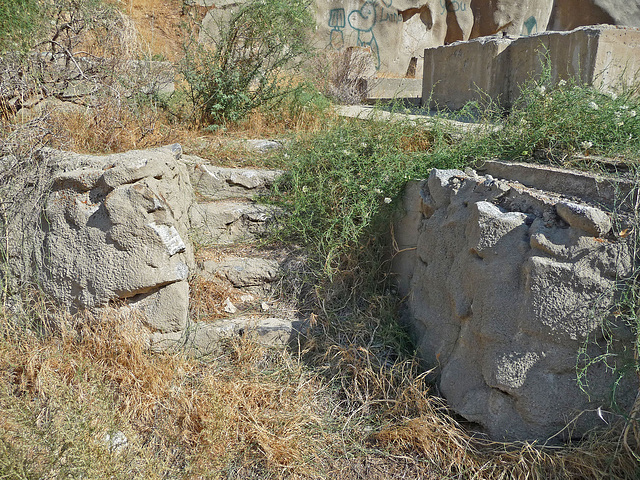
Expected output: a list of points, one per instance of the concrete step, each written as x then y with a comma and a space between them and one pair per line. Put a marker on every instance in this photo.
254, 274
219, 183
206, 338
246, 278
230, 221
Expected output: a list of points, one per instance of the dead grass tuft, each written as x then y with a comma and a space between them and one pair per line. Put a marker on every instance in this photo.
452, 451
113, 126
96, 377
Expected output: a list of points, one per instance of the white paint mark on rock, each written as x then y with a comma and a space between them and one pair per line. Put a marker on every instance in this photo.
170, 237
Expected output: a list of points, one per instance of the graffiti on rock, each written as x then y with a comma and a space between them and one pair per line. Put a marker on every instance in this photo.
530, 25
336, 23
452, 6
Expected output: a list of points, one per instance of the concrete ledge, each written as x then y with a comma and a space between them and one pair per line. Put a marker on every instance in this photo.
395, 88
588, 187
454, 128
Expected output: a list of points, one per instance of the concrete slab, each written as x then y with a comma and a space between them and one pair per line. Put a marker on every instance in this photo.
598, 189
392, 88
496, 67
454, 128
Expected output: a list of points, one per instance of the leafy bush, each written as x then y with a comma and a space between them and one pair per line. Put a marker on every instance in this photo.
240, 65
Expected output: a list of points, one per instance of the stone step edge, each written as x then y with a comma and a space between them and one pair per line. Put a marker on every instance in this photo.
206, 338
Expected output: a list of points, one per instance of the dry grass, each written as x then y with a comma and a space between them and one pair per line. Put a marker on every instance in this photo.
352, 403
62, 394
347, 406
207, 299
112, 127
447, 445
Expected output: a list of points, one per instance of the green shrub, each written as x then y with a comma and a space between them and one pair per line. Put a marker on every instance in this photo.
342, 184
240, 65
19, 19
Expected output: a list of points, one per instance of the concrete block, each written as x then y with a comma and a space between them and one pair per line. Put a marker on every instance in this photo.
390, 88
496, 67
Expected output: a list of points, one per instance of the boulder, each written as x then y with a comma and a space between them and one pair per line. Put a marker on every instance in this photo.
114, 229
510, 290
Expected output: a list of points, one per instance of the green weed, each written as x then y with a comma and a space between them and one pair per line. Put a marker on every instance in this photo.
240, 66
567, 118
341, 185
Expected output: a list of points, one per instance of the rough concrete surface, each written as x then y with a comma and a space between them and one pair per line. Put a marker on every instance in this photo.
115, 228
218, 183
504, 284
396, 32
604, 56
229, 221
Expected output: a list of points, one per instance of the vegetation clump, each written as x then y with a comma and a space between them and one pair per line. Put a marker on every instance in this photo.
239, 65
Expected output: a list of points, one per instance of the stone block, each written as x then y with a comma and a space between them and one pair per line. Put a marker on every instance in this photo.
496, 67
508, 285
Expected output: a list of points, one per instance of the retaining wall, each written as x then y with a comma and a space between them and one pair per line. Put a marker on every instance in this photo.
510, 290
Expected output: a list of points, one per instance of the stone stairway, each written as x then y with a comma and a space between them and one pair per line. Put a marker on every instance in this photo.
237, 286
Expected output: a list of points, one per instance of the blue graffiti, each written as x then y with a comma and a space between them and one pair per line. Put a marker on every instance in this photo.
531, 25
389, 16
337, 23
452, 6
363, 21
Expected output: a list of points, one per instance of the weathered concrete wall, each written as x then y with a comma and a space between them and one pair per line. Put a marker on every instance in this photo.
605, 56
96, 232
504, 284
398, 31
116, 228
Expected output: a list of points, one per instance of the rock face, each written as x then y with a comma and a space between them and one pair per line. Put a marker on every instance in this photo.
116, 228
505, 287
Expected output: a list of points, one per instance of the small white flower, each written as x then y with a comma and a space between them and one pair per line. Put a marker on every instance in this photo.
620, 124
632, 113
286, 155
541, 89
363, 145
387, 200
363, 187
624, 107
562, 83
586, 145
304, 189
593, 105
377, 190
617, 114
346, 152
